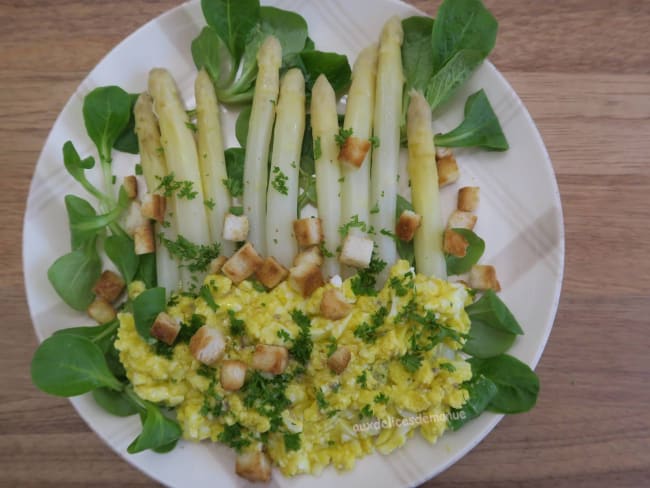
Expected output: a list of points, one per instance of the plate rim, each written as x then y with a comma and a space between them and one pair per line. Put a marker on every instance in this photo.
557, 200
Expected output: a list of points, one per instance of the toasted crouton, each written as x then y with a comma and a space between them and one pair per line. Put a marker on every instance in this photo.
130, 184
216, 264
312, 255
454, 243
242, 264
233, 374
354, 151
101, 311
235, 227
407, 224
356, 251
461, 220
165, 328
339, 360
468, 198
134, 218
207, 345
154, 206
447, 170
308, 231
333, 305
306, 279
270, 359
443, 152
144, 239
271, 273
484, 277
109, 286
253, 466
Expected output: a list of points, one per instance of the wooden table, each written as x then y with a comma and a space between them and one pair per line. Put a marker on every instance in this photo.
582, 67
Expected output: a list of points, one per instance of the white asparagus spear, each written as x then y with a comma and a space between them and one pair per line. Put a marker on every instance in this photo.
212, 161
282, 193
269, 59
154, 168
385, 158
355, 187
325, 127
182, 160
429, 257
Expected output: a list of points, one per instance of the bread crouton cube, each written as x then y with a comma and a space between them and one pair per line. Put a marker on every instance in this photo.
109, 286
461, 220
454, 243
306, 279
407, 224
216, 264
144, 239
447, 170
207, 345
271, 273
130, 184
235, 228
270, 359
484, 277
468, 198
354, 150
312, 255
101, 311
356, 251
339, 360
134, 219
165, 328
233, 374
333, 305
443, 152
253, 466
154, 206
308, 231
242, 264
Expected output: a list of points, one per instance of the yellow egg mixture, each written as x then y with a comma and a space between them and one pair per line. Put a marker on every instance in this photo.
404, 374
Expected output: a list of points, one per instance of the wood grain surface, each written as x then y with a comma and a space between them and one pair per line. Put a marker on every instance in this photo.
582, 67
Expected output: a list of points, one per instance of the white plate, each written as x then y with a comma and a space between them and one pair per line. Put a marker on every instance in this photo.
520, 218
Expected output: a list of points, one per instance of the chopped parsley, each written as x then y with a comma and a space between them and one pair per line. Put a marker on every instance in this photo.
237, 326
381, 398
234, 437
212, 401
353, 222
169, 187
411, 361
388, 233
279, 181
302, 345
448, 367
366, 411
402, 285
191, 126
205, 371
206, 294
326, 252
363, 283
320, 399
375, 208
163, 349
195, 257
292, 441
318, 152
367, 332
342, 136
236, 210
138, 169
191, 113
284, 335
209, 203
257, 286
362, 380
332, 346
374, 141
188, 330
267, 396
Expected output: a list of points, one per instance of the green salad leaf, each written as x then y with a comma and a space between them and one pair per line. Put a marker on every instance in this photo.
456, 265
479, 128
481, 392
146, 308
